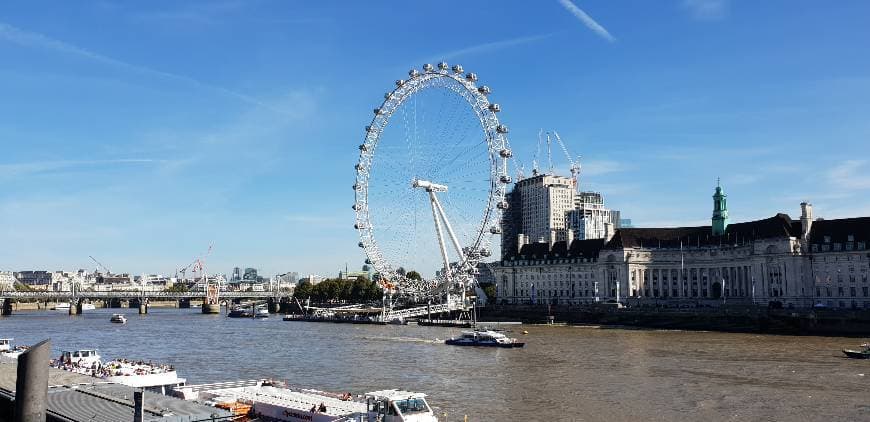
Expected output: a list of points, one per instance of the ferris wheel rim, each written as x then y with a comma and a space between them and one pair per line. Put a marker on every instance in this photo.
498, 153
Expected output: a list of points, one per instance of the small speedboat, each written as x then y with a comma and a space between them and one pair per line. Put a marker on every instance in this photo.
118, 319
863, 353
484, 338
261, 313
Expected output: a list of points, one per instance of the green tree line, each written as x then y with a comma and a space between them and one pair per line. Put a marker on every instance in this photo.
332, 290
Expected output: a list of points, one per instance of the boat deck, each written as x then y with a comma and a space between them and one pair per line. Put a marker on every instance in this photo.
300, 399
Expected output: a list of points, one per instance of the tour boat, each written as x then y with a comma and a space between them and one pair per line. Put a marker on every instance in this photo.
79, 358
118, 319
64, 306
864, 353
140, 374
261, 313
486, 338
239, 312
278, 402
150, 376
10, 351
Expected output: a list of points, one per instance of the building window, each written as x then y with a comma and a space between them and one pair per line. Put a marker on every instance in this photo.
864, 290
840, 291
852, 291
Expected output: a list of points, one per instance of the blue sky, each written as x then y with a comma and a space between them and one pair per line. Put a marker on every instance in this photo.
142, 132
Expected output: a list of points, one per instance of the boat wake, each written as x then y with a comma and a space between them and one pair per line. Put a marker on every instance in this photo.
406, 340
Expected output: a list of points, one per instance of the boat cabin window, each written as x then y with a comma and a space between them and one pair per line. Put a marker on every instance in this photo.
411, 406
4, 341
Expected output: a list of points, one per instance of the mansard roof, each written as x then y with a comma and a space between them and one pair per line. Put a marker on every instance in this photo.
838, 231
587, 249
780, 225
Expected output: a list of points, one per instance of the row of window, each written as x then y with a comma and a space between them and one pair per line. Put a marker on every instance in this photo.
841, 291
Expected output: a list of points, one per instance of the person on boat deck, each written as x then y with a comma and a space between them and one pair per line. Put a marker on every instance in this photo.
313, 409
322, 408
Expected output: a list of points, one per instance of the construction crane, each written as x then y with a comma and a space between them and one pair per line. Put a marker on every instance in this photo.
194, 263
575, 165
100, 265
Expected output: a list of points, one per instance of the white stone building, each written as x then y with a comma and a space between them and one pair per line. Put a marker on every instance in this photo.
774, 261
589, 219
7, 280
545, 199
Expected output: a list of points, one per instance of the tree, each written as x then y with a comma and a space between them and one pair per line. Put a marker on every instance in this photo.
413, 275
177, 288
490, 291
303, 290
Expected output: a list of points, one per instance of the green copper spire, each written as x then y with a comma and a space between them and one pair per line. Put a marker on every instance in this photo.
720, 211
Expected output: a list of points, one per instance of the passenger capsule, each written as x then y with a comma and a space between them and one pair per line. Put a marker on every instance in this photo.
413, 73
506, 153
355, 186
388, 95
363, 147
501, 129
495, 230
368, 261
471, 77
400, 82
494, 107
428, 67
484, 252
457, 68
505, 178
377, 111
443, 66
359, 226
484, 90
358, 167
360, 244
503, 205
353, 207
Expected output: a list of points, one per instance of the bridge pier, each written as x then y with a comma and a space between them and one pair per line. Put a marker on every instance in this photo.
143, 307
211, 308
75, 307
184, 303
272, 305
284, 306
7, 307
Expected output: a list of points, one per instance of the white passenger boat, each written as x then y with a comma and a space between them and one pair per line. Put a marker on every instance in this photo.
86, 358
261, 313
485, 338
150, 376
290, 404
118, 319
10, 351
64, 306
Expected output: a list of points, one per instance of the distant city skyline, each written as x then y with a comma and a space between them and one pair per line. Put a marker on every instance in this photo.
142, 133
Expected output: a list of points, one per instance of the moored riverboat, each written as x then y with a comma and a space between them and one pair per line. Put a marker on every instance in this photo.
10, 351
862, 353
484, 338
118, 319
280, 402
150, 376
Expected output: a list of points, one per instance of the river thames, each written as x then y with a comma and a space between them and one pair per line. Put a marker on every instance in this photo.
563, 373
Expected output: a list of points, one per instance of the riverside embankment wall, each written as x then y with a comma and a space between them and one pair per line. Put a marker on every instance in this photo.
855, 323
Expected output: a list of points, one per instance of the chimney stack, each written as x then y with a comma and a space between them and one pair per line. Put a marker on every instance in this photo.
552, 239
569, 238
806, 224
608, 232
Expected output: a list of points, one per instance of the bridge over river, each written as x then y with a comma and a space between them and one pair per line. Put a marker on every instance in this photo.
140, 297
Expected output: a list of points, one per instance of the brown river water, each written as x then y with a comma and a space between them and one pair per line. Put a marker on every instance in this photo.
563, 373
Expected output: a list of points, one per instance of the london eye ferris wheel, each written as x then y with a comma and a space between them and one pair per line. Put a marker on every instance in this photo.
431, 182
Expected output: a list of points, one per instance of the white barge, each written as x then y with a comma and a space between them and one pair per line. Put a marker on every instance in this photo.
153, 377
291, 404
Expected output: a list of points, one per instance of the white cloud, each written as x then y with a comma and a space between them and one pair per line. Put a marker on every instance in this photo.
707, 9
486, 47
37, 40
587, 20
599, 167
850, 175
23, 169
